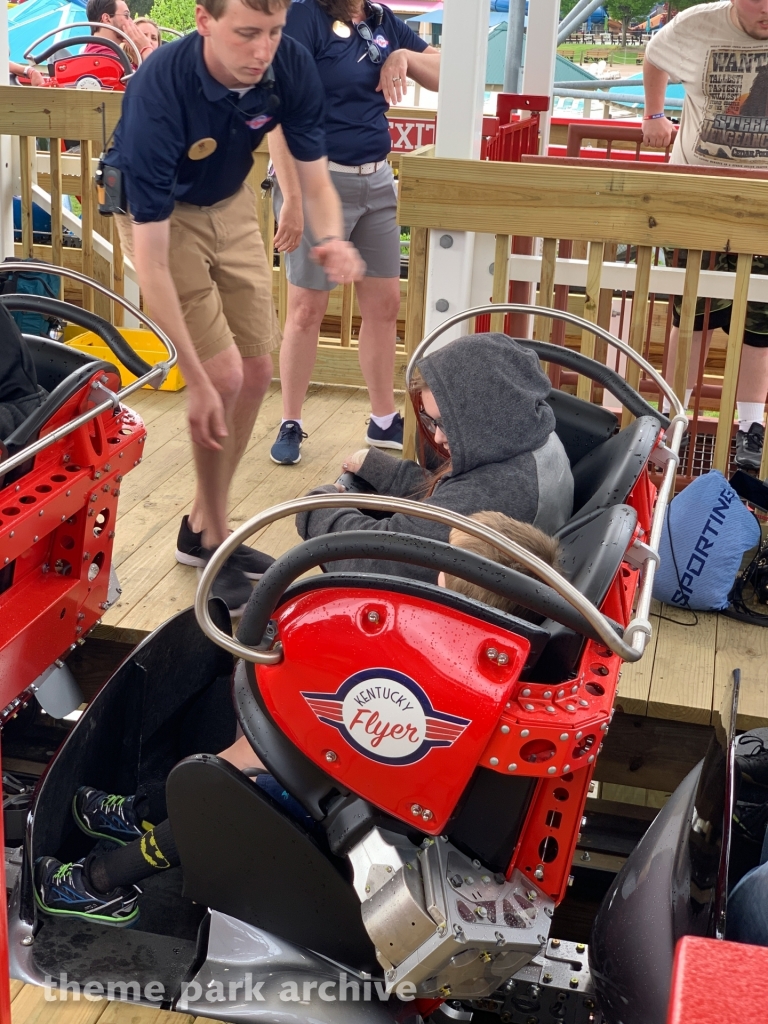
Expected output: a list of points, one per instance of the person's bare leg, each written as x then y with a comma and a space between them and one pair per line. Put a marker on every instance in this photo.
753, 375
257, 376
379, 300
209, 509
693, 366
306, 309
241, 754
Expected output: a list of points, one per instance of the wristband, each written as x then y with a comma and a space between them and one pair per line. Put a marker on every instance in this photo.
328, 238
654, 117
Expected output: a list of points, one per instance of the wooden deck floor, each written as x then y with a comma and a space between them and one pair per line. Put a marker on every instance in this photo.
680, 677
29, 1006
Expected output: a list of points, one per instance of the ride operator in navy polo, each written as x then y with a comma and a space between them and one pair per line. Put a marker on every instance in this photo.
191, 118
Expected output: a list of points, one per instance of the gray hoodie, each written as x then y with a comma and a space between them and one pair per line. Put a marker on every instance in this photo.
505, 455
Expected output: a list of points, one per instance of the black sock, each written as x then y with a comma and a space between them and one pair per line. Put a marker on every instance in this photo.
155, 851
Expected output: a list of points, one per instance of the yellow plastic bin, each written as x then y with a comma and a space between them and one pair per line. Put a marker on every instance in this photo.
142, 342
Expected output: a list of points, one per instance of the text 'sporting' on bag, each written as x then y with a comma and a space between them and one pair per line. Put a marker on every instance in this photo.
706, 533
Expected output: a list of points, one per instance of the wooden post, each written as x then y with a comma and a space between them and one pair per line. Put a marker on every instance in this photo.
722, 454
347, 304
639, 318
687, 316
500, 279
594, 274
414, 322
57, 225
27, 152
546, 297
86, 154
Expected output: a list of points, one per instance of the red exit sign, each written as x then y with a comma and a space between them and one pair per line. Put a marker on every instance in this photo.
409, 133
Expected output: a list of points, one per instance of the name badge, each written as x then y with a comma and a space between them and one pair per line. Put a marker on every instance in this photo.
201, 149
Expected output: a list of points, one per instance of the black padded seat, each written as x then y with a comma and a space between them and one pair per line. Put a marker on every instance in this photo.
54, 362
592, 552
606, 475
243, 856
581, 426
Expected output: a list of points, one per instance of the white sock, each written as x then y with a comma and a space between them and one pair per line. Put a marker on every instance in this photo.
384, 422
289, 421
686, 402
749, 413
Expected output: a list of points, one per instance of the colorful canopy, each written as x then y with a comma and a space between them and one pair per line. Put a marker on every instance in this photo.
30, 20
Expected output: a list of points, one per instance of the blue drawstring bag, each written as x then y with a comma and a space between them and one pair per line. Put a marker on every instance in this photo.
706, 532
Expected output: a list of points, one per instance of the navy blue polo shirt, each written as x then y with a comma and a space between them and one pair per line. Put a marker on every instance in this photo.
356, 115
173, 102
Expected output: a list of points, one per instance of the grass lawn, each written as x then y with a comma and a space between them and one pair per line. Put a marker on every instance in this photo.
620, 54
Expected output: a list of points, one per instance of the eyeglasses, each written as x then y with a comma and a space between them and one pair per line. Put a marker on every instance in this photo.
373, 51
433, 424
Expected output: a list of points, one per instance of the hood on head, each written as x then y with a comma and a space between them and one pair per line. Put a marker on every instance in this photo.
492, 394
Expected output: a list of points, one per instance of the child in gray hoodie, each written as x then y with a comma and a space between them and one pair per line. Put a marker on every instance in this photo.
489, 395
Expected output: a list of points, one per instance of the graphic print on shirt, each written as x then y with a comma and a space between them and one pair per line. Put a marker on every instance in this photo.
734, 127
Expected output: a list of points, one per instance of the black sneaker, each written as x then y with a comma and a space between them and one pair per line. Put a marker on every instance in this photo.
751, 812
190, 551
392, 437
62, 889
106, 816
749, 447
232, 586
286, 451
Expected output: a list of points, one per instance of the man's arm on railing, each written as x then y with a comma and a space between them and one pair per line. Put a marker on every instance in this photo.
657, 131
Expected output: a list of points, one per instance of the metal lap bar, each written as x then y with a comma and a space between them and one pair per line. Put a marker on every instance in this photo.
540, 569
638, 631
155, 376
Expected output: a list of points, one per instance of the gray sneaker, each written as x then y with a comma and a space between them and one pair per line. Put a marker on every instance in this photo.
749, 447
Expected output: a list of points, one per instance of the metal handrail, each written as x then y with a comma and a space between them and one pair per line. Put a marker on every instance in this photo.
155, 376
638, 631
83, 24
602, 626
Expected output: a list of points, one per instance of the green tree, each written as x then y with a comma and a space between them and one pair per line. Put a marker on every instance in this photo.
566, 6
178, 14
624, 11
140, 8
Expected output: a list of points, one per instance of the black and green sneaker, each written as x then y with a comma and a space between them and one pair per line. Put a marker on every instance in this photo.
63, 890
107, 816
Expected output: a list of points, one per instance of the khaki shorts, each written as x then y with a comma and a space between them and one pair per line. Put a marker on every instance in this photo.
221, 274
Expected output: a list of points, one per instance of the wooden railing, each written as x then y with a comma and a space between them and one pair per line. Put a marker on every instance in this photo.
596, 207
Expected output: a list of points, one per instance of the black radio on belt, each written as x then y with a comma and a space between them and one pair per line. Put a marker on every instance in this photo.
110, 189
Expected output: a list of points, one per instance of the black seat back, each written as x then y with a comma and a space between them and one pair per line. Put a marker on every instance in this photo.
243, 856
54, 362
592, 553
581, 426
606, 475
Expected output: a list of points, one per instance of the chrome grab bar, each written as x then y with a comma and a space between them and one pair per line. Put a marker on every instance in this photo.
544, 572
638, 631
83, 24
155, 376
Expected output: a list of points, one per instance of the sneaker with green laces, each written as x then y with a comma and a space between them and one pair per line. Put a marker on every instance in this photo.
107, 816
64, 890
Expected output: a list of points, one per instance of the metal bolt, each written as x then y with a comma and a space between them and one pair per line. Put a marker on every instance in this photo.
546, 978
391, 975
579, 735
476, 864
7, 560
416, 810
373, 617
486, 879
512, 767
547, 695
494, 761
583, 822
591, 758
91, 512
585, 856
526, 692
574, 982
555, 943
560, 693
549, 911
119, 478
563, 735
80, 616
492, 654
503, 659
105, 488
446, 241
97, 475
94, 497
107, 468
330, 756
584, 703
551, 770
27, 940
532, 894
86, 555
570, 881
528, 707
569, 707
525, 732
574, 689
427, 814
111, 534
67, 494
40, 512
79, 629
389, 869
367, 888
63, 518
580, 947
35, 538
481, 911
442, 305
456, 881
550, 709
505, 729
566, 768
539, 873
469, 879
18, 487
